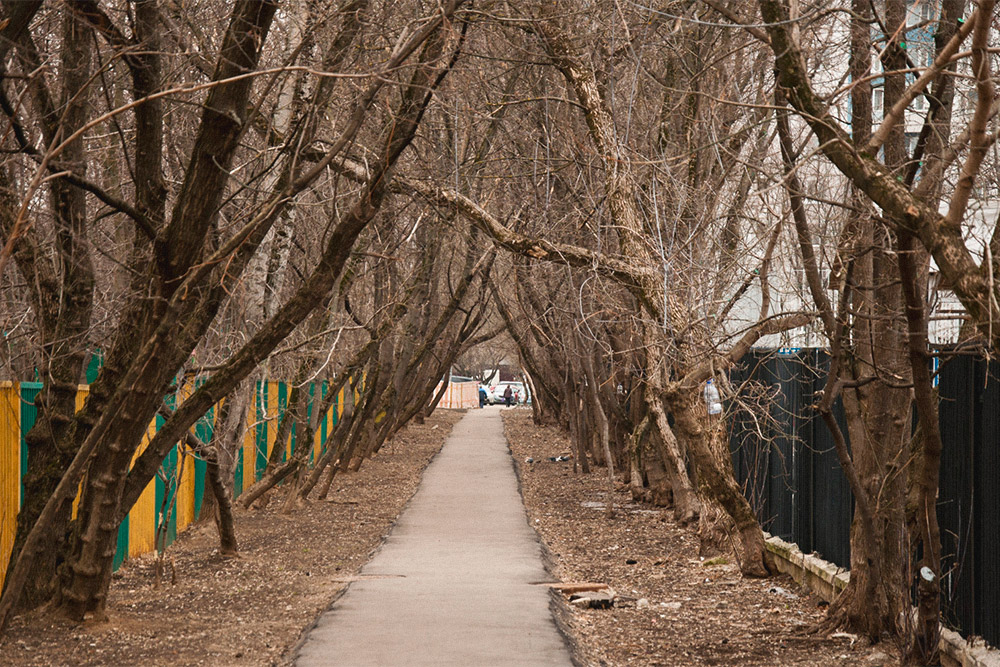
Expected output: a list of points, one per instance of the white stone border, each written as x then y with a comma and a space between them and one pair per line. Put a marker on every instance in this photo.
827, 581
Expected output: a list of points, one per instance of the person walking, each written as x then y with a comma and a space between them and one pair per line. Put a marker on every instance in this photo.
482, 396
508, 395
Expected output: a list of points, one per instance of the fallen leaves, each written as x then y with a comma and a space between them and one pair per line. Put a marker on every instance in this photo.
248, 610
675, 606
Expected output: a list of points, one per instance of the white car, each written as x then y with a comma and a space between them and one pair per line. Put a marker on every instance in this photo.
495, 394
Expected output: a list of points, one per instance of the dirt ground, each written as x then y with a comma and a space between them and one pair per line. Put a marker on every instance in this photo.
249, 610
674, 607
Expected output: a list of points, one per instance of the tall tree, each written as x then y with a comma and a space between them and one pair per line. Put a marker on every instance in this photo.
186, 263
879, 329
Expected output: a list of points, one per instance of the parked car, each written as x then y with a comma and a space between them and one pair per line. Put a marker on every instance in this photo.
495, 395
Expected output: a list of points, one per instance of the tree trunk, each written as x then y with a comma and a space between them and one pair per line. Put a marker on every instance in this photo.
881, 411
87, 573
878, 417
575, 434
716, 478
227, 438
218, 502
602, 429
62, 300
224, 521
687, 507
635, 458
537, 413
928, 461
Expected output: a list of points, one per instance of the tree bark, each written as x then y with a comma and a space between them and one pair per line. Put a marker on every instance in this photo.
635, 458
925, 650
62, 299
223, 510
687, 507
715, 477
598, 411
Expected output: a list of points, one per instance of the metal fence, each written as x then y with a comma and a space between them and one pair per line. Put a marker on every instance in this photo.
789, 470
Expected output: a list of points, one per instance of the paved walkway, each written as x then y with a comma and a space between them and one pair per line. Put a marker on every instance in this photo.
454, 583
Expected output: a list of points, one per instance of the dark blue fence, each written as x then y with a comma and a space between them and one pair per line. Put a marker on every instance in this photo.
789, 470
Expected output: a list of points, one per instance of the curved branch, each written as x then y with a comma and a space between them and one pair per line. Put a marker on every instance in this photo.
905, 211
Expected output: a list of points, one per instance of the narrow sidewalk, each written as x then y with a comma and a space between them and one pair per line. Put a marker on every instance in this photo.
456, 581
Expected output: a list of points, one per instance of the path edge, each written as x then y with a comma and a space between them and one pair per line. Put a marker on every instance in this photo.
558, 606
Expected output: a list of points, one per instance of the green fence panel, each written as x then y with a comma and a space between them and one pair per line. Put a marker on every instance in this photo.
94, 365
200, 468
166, 488
28, 415
121, 550
238, 474
203, 430
282, 407
309, 411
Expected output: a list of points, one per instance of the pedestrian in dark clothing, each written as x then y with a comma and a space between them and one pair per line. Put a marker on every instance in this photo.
508, 395
482, 397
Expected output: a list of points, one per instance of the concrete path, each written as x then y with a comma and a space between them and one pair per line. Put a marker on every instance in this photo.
456, 581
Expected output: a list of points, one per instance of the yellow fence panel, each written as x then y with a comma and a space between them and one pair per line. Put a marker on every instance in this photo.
10, 468
249, 449
82, 392
318, 435
185, 488
142, 517
272, 415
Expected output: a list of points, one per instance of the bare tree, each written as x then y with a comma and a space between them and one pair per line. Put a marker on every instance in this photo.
878, 330
185, 262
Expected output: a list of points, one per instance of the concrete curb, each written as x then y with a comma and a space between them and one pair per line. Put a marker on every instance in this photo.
827, 581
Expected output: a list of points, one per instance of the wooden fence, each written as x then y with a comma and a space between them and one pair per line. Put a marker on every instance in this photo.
172, 500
